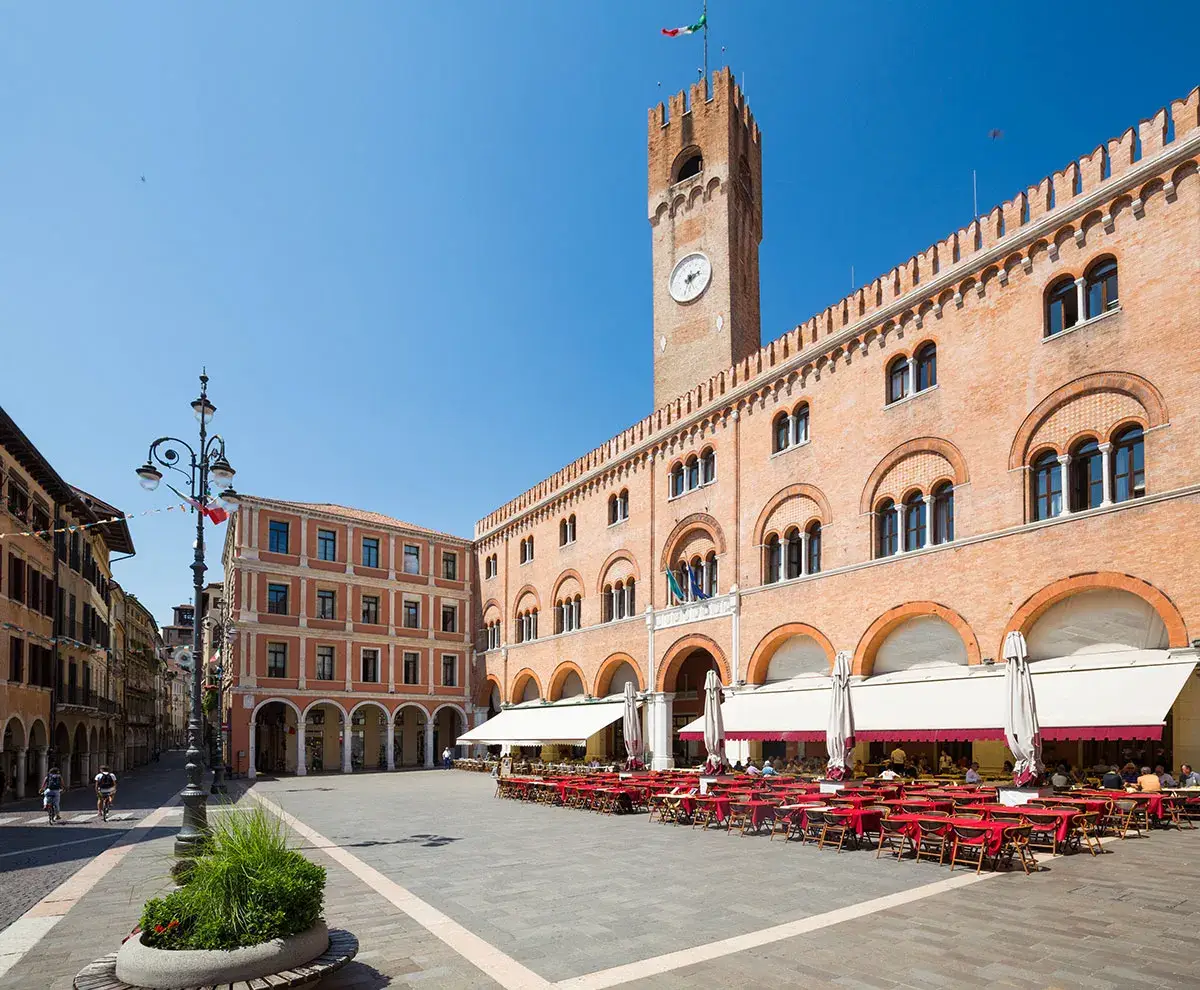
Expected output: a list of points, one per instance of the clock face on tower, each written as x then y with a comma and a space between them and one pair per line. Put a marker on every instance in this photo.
690, 277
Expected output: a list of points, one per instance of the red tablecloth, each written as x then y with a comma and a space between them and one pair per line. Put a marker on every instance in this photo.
916, 823
853, 800
922, 803
1065, 818
1153, 802
1098, 805
719, 804
862, 819
760, 811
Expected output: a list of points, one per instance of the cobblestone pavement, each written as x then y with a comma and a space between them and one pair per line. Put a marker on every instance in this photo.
571, 895
35, 857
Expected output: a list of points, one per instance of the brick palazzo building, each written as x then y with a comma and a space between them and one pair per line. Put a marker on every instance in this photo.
350, 645
998, 434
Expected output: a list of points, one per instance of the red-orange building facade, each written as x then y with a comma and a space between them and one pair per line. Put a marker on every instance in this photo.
887, 477
346, 624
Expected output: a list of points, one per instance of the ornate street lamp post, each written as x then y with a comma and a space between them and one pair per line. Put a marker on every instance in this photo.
220, 631
208, 459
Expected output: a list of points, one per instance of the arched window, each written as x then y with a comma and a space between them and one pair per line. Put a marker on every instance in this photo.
1087, 476
1047, 486
897, 379
612, 509
1100, 289
630, 599
886, 536
693, 472
914, 522
814, 548
943, 513
1128, 465
774, 559
562, 533
783, 431
795, 550
1062, 306
710, 579
800, 423
560, 620
677, 479
708, 467
618, 507
619, 600
926, 360
691, 164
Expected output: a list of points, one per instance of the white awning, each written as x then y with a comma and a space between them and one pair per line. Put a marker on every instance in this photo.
568, 723
1123, 695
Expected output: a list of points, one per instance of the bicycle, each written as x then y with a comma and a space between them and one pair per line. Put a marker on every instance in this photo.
105, 805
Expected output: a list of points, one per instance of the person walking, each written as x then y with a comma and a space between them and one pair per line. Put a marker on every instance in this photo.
447, 758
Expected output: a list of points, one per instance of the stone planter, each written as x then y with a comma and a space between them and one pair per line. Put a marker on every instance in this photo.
139, 965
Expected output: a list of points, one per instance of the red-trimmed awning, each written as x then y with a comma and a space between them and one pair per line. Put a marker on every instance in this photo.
1123, 695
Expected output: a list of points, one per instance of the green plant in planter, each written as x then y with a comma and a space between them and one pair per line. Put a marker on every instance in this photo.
247, 887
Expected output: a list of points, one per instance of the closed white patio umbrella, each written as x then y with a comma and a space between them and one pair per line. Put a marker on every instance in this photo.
1021, 730
714, 725
632, 729
839, 732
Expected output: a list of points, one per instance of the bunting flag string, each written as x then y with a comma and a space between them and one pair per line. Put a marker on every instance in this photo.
209, 511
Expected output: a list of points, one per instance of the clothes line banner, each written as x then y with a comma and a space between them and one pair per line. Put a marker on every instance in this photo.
216, 514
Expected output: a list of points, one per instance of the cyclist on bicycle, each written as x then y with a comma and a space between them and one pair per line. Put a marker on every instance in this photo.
106, 789
51, 789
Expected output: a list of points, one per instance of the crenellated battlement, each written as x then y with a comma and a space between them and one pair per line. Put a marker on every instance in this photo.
922, 285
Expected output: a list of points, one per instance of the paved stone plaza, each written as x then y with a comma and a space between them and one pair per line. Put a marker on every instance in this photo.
447, 887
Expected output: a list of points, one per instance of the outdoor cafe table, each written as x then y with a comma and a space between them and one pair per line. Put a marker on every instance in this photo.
719, 804
1061, 832
1094, 804
854, 800
1153, 802
860, 819
939, 826
759, 812
924, 803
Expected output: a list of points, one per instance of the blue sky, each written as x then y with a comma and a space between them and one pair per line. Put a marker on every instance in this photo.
379, 224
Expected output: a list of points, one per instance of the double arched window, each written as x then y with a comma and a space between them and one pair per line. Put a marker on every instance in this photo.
694, 472
697, 578
1096, 474
568, 614
907, 376
527, 550
790, 429
920, 520
493, 635
796, 554
527, 623
566, 530
618, 507
1070, 300
490, 566
619, 600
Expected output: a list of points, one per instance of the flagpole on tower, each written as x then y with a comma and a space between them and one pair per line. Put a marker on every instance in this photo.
705, 19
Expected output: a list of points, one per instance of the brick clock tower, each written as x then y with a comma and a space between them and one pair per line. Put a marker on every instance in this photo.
706, 225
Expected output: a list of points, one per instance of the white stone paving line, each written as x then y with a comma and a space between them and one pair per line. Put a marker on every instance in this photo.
501, 967
512, 975
29, 929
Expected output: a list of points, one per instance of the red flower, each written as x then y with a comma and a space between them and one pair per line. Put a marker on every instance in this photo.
159, 929
173, 923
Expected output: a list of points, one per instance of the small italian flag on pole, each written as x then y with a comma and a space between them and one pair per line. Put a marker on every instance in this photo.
679, 32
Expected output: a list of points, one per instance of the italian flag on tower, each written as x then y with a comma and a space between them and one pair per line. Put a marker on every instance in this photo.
700, 25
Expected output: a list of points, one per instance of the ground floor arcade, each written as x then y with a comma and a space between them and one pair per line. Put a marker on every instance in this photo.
301, 735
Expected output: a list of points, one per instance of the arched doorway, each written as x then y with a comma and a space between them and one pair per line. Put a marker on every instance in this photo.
448, 724
35, 761
275, 738
687, 682
324, 724
13, 739
61, 757
368, 740
80, 756
409, 729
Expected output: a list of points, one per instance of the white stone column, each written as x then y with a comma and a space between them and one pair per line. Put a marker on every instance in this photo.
704, 576
349, 666
736, 634
21, 771
899, 528
662, 757
1065, 476
649, 658
43, 763
252, 768
429, 741
1081, 299
301, 749
391, 738
347, 745
303, 542
1105, 473
928, 500
303, 682
577, 606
